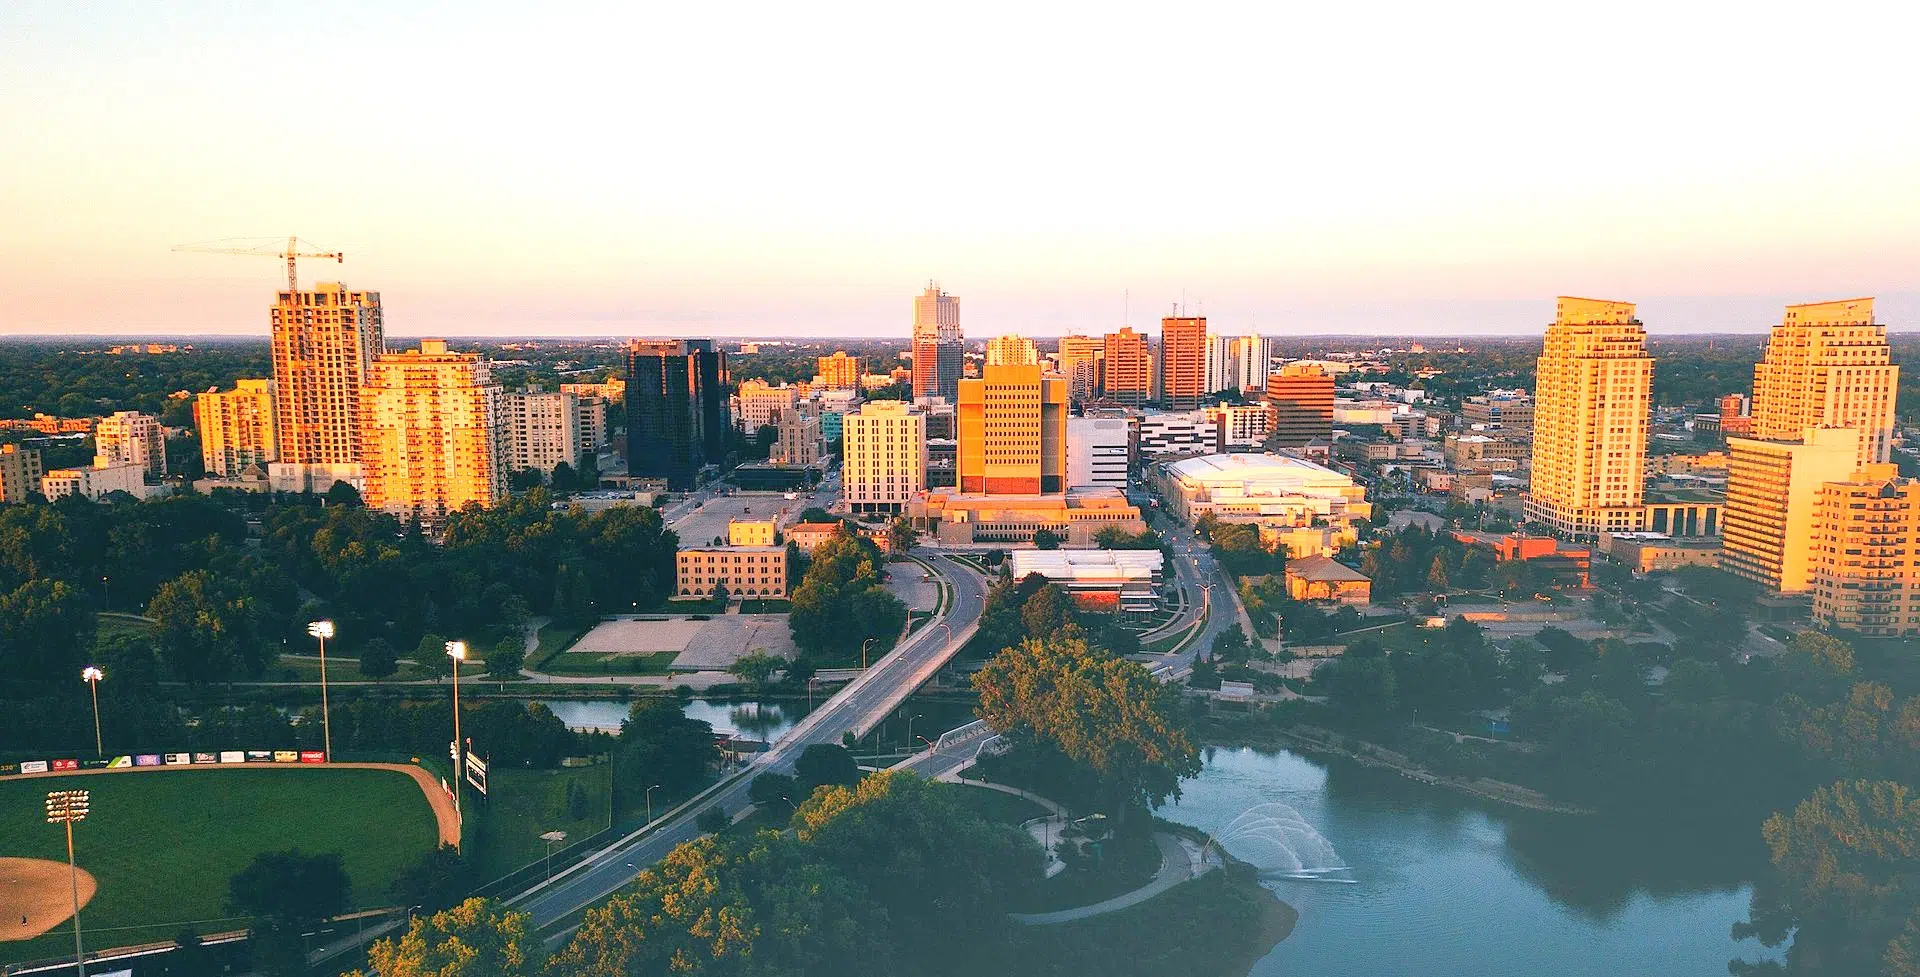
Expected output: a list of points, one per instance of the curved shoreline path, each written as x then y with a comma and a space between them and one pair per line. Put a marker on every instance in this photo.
445, 819
1180, 861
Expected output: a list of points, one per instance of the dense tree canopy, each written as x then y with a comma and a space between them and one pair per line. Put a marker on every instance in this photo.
843, 600
478, 938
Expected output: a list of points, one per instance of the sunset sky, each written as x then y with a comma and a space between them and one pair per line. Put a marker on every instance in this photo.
653, 168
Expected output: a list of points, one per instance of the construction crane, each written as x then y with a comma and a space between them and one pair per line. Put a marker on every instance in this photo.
265, 248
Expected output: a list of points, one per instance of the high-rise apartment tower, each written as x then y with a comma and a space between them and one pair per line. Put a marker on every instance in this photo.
1828, 365
939, 350
431, 434
1591, 399
236, 427
323, 343
1127, 371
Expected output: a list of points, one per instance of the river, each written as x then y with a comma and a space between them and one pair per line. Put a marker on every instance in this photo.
762, 721
1442, 885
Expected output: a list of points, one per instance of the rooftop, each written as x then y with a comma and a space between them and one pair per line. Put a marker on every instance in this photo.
1323, 568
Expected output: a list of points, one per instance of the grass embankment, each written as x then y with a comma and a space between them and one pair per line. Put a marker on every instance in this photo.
306, 668
163, 844
523, 805
1215, 926
602, 663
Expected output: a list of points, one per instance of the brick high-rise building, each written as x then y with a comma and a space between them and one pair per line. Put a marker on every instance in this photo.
1301, 396
939, 348
1735, 419
1127, 368
236, 427
131, 438
840, 371
1080, 359
1828, 365
1592, 395
1183, 362
1864, 576
884, 456
676, 409
431, 434
1013, 432
323, 343
1768, 530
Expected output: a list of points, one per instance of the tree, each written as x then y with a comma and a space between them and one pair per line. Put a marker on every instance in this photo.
1106, 713
1437, 574
1048, 611
206, 629
901, 536
659, 743
564, 479
1359, 685
436, 880
478, 938
1046, 539
1828, 652
507, 655
825, 764
1231, 645
378, 659
713, 820
814, 513
770, 789
843, 600
756, 668
720, 595
342, 493
45, 627
286, 892
524, 479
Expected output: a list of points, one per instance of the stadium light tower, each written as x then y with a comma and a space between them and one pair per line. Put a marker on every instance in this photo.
92, 676
457, 650
324, 630
66, 807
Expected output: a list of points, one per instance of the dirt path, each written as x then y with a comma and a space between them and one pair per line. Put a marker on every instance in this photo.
444, 816
39, 894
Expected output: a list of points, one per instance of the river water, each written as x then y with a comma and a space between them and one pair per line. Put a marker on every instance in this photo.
761, 721
1440, 884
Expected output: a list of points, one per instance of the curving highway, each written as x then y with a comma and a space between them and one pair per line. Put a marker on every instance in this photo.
857, 707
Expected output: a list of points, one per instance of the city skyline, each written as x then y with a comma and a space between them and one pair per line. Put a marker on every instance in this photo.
1427, 193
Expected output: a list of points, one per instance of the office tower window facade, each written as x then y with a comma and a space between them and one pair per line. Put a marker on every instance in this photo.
884, 447
676, 409
324, 341
1301, 398
1591, 400
236, 427
939, 348
1183, 362
1127, 365
1828, 365
1079, 360
1013, 432
1767, 534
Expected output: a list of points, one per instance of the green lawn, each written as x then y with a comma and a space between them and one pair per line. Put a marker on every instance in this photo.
554, 639
601, 663
113, 623
163, 844
523, 805
996, 806
307, 669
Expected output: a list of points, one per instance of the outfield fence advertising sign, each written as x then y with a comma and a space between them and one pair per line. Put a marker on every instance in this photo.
312, 756
119, 761
33, 766
147, 760
286, 756
232, 756
179, 759
259, 756
206, 758
66, 764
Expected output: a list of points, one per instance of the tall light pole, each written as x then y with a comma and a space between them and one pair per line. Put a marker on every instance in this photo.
92, 676
457, 650
324, 630
910, 720
66, 807
863, 653
650, 791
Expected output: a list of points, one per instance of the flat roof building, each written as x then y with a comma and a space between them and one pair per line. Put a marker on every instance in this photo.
1286, 490
1109, 580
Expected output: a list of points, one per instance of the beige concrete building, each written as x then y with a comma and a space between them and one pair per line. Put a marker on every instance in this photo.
591, 425
542, 430
1865, 533
236, 427
884, 456
746, 571
1592, 395
611, 390
758, 403
1461, 450
1080, 360
1827, 365
131, 438
1772, 486
1126, 368
1012, 427
1011, 349
1512, 411
798, 442
324, 341
939, 347
20, 472
839, 371
96, 482
1075, 516
431, 434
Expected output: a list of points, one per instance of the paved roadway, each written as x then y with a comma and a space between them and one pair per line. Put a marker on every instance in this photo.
1194, 568
859, 706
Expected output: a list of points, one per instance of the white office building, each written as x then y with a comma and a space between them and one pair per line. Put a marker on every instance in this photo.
1097, 451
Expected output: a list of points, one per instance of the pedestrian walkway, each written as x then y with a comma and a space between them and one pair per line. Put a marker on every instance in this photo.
1180, 861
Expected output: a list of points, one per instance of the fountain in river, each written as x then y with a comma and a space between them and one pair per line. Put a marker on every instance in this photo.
1275, 839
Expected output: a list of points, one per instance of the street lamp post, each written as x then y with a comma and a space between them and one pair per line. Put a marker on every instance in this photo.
863, 653
650, 791
92, 676
324, 630
910, 720
457, 650
551, 837
66, 807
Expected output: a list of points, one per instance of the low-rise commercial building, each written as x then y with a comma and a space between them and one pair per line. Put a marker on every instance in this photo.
1106, 580
1075, 516
95, 483
1320, 578
745, 571
1168, 435
750, 532
1097, 452
1286, 490
1659, 552
1567, 566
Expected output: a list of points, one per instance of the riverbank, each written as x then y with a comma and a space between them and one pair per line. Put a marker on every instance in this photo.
1315, 740
1218, 925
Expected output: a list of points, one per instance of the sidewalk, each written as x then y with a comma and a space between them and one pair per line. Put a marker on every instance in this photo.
1180, 861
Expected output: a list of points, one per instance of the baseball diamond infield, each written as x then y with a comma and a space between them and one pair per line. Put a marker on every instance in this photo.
36, 895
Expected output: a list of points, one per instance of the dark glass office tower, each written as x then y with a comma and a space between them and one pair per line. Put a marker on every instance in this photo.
676, 409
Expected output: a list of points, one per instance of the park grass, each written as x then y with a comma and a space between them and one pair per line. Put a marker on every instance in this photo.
112, 624
524, 804
604, 663
997, 806
292, 668
164, 843
554, 639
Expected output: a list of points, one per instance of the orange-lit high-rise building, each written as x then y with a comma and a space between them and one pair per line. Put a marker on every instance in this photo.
1301, 396
840, 371
1183, 362
1828, 365
1864, 576
1080, 359
323, 344
1127, 368
1012, 423
939, 348
1592, 394
431, 434
236, 427
1011, 349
